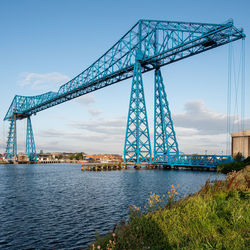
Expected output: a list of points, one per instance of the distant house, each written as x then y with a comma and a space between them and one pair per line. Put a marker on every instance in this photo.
2, 157
22, 157
44, 157
104, 158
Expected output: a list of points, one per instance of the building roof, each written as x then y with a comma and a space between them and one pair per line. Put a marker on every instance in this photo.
239, 134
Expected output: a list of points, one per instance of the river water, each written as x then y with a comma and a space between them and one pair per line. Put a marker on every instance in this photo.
59, 206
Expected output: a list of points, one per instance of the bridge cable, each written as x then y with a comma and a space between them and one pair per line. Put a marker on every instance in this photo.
236, 90
236, 118
243, 94
229, 97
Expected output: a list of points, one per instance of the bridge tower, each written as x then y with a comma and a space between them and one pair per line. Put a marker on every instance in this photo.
137, 148
11, 148
30, 142
165, 143
147, 46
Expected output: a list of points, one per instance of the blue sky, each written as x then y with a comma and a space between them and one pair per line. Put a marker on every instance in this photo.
46, 42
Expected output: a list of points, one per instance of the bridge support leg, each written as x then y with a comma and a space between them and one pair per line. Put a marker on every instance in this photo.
137, 148
30, 142
165, 143
11, 148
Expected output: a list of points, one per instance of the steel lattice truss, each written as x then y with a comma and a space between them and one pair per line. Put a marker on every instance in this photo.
30, 149
165, 142
148, 45
152, 42
11, 148
137, 146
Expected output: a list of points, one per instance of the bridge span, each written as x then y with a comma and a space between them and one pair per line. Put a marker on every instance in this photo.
147, 46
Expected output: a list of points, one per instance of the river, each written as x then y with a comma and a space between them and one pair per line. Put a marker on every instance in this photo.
59, 206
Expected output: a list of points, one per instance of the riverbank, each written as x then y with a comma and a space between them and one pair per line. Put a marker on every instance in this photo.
217, 216
234, 166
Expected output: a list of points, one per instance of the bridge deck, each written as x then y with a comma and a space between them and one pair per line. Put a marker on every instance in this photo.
194, 160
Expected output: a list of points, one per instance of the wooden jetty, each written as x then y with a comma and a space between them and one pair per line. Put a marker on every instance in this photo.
122, 166
103, 166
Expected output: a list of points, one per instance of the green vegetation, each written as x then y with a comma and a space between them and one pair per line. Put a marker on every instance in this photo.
59, 157
77, 156
237, 165
216, 217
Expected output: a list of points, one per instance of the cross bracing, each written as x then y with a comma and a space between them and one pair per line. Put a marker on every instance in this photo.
152, 42
137, 147
147, 46
165, 143
30, 149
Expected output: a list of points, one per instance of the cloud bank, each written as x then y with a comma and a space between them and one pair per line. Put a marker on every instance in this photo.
198, 129
88, 101
47, 81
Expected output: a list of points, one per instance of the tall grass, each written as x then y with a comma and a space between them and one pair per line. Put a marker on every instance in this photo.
216, 217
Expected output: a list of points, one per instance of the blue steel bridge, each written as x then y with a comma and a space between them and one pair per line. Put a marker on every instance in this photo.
147, 46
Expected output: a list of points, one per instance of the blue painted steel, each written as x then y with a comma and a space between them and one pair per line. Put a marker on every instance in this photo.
137, 147
165, 143
153, 43
159, 42
194, 160
30, 142
11, 148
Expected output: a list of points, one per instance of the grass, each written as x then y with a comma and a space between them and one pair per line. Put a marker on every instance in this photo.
216, 217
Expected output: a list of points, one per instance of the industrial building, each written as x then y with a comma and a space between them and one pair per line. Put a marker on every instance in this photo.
241, 143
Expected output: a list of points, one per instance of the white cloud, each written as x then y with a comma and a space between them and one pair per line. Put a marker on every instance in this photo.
199, 129
98, 136
94, 112
113, 127
197, 116
86, 100
48, 81
2, 145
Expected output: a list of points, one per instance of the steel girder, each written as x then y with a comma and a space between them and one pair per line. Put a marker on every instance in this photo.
194, 160
137, 147
165, 143
156, 42
30, 142
11, 148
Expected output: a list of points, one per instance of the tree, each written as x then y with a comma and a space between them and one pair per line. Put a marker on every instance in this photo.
238, 157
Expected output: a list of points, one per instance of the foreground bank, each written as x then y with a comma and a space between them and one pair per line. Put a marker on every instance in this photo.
215, 217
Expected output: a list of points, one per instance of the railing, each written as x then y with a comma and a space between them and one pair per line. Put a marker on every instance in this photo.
193, 160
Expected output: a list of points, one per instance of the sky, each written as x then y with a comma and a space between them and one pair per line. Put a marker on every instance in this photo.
45, 43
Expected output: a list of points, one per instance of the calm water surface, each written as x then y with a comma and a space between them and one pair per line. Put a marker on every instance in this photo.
58, 206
